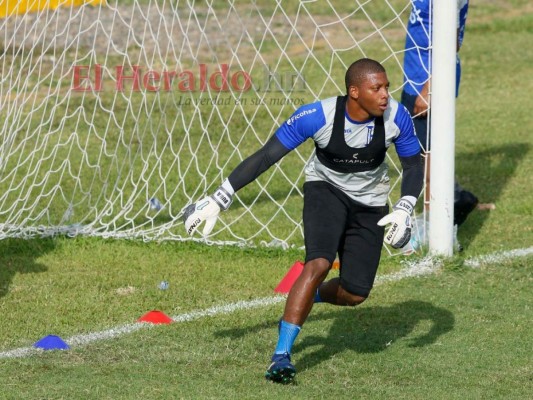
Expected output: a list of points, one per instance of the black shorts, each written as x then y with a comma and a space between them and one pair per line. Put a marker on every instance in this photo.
334, 223
420, 123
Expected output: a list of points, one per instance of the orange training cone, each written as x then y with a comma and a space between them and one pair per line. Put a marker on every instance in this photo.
288, 280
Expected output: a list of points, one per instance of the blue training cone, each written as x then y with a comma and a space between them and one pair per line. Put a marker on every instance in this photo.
51, 342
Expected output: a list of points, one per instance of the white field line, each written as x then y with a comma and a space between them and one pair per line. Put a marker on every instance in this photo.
80, 340
425, 266
498, 257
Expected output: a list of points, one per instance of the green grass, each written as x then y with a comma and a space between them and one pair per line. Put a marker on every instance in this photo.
461, 333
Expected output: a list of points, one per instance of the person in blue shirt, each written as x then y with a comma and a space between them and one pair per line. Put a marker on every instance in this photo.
415, 95
345, 195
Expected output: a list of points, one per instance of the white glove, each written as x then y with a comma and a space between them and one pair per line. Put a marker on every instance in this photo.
399, 233
206, 210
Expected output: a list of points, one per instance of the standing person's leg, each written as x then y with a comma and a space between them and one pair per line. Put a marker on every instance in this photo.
464, 202
421, 125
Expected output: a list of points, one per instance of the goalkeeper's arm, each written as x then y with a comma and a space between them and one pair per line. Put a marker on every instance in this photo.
399, 219
247, 171
412, 175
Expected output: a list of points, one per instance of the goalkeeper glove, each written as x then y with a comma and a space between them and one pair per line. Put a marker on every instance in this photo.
399, 233
206, 210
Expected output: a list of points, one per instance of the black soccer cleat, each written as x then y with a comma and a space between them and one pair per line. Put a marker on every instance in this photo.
281, 370
464, 205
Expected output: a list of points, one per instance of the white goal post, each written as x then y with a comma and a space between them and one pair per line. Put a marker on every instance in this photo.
115, 115
443, 128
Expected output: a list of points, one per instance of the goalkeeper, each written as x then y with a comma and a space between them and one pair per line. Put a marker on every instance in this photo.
345, 195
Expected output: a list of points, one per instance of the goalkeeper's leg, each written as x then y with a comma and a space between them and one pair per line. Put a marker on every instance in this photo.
324, 213
297, 308
359, 256
333, 293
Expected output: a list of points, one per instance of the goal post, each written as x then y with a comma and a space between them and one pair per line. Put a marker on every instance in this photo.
114, 115
442, 164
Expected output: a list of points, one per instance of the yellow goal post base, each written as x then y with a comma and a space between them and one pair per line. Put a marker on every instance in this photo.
13, 7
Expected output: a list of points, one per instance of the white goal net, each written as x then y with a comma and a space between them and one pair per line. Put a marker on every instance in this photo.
114, 116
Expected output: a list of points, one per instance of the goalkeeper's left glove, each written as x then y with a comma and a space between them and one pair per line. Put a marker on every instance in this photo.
206, 210
399, 233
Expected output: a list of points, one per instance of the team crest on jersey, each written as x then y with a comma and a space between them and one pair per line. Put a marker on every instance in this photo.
369, 134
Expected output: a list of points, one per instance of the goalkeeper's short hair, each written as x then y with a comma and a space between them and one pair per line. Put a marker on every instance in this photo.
357, 72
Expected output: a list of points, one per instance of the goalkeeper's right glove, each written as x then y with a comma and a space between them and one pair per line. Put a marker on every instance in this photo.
206, 210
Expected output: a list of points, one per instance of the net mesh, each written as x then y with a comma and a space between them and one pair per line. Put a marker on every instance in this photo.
115, 116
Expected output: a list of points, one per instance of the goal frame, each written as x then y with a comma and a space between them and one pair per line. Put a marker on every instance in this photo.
442, 167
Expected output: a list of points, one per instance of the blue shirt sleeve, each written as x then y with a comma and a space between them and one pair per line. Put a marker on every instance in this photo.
303, 124
406, 143
462, 14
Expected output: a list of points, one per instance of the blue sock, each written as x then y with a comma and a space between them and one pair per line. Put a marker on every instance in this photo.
318, 299
287, 336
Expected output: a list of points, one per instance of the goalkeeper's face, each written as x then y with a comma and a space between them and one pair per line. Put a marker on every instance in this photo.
372, 94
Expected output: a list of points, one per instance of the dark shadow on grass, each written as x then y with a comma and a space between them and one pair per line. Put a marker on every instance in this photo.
374, 329
362, 330
18, 256
494, 167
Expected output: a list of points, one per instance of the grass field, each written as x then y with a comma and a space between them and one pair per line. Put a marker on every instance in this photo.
456, 333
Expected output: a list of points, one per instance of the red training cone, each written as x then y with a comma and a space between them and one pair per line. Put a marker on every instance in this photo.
155, 317
288, 280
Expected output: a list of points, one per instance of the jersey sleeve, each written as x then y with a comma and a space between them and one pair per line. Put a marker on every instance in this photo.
406, 142
303, 124
462, 11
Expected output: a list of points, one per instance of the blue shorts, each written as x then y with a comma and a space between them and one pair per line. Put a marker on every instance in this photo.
334, 223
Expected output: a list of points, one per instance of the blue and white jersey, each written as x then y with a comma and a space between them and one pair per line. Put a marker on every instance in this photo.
315, 121
417, 44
